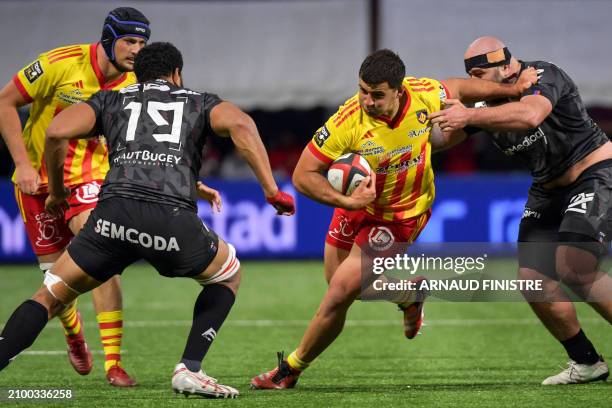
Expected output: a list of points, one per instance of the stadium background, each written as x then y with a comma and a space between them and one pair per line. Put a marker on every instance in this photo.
290, 64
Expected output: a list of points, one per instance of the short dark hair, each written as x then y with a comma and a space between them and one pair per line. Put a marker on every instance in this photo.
383, 66
156, 60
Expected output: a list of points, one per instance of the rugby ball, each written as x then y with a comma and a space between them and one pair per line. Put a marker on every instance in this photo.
346, 172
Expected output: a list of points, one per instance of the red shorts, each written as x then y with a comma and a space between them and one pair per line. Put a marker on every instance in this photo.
49, 234
349, 227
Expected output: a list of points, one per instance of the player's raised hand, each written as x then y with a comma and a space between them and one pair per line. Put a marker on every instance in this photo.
283, 203
454, 117
27, 178
528, 77
364, 194
57, 202
209, 194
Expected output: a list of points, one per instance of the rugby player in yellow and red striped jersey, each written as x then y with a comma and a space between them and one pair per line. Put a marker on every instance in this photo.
387, 122
56, 80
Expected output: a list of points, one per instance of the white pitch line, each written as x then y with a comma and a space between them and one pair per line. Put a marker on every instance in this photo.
349, 323
57, 352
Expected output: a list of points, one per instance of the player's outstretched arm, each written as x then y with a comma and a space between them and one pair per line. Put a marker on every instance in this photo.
26, 176
528, 113
77, 121
470, 90
308, 179
226, 119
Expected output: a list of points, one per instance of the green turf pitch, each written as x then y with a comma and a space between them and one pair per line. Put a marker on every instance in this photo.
470, 354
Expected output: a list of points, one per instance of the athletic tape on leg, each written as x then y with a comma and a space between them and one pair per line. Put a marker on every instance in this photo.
227, 270
59, 289
45, 266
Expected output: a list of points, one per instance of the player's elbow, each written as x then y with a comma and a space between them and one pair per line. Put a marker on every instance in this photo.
243, 130
298, 181
533, 119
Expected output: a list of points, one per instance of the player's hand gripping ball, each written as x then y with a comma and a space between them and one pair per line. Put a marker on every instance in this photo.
347, 171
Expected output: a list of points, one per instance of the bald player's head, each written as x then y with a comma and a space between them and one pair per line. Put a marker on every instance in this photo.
489, 58
483, 45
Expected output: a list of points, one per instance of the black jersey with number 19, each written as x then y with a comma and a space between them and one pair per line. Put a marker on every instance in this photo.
155, 133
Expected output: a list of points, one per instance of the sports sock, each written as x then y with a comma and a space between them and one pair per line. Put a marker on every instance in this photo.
70, 321
295, 363
211, 308
580, 349
111, 333
20, 331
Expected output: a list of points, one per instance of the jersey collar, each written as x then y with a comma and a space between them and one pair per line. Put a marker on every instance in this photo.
93, 57
401, 112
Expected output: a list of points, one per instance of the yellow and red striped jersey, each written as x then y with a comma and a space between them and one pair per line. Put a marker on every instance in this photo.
397, 149
57, 79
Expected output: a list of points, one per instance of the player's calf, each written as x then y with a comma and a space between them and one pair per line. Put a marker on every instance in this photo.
210, 311
20, 331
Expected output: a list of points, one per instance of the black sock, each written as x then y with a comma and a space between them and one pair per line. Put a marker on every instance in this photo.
580, 349
22, 328
211, 308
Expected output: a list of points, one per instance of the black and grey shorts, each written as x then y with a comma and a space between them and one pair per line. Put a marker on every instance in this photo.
578, 215
120, 231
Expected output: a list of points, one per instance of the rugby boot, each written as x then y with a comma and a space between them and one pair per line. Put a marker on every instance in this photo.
580, 373
78, 353
118, 377
189, 383
413, 311
282, 377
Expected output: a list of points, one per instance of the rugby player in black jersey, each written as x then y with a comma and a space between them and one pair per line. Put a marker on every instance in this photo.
567, 223
155, 131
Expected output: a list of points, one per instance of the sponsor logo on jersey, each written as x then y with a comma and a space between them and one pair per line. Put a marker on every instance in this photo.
75, 96
88, 193
370, 148
421, 116
526, 143
380, 238
147, 157
48, 231
33, 72
401, 166
529, 213
368, 144
420, 132
343, 231
321, 136
397, 152
579, 202
111, 230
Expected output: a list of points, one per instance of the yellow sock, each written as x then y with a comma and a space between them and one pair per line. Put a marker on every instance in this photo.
296, 363
70, 320
111, 332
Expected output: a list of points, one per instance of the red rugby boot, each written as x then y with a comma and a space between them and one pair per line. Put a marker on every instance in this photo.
282, 377
117, 376
78, 352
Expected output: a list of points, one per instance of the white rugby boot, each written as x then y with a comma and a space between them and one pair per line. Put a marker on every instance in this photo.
189, 383
580, 373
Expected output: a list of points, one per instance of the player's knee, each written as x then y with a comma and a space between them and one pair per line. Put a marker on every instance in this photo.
45, 298
233, 283
59, 290
228, 274
341, 294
